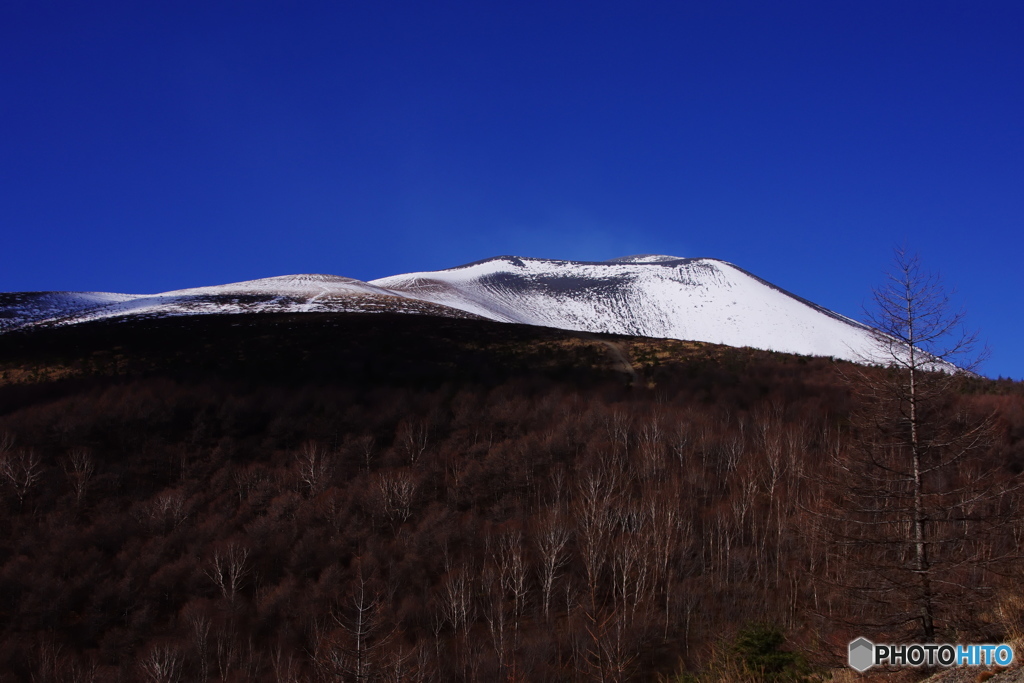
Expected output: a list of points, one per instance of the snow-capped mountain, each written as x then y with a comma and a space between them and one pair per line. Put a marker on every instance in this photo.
649, 295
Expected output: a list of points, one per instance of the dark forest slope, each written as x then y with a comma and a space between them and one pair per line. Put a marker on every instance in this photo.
355, 497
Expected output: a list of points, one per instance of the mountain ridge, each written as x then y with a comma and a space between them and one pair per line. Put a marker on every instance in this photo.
646, 295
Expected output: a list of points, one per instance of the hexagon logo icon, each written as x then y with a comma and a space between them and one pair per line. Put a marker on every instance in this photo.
862, 654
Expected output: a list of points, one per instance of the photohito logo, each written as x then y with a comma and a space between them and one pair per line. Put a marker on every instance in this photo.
864, 654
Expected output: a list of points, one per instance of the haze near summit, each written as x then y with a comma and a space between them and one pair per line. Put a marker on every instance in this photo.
154, 148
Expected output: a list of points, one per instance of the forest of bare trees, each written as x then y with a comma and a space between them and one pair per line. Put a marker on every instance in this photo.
513, 528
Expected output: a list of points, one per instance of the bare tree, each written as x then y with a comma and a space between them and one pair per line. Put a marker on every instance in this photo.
413, 439
362, 620
313, 467
49, 659
21, 469
505, 577
395, 492
365, 447
513, 572
916, 326
78, 468
284, 665
199, 630
496, 614
457, 599
162, 664
456, 606
550, 535
592, 512
247, 480
915, 526
227, 653
229, 569
168, 509
86, 671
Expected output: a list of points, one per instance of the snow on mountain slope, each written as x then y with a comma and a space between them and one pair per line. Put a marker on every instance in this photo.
284, 294
649, 295
25, 308
646, 295
296, 285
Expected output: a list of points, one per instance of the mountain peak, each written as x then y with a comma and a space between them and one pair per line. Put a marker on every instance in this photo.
645, 258
648, 295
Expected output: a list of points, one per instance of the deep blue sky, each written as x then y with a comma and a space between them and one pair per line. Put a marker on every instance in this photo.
148, 146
